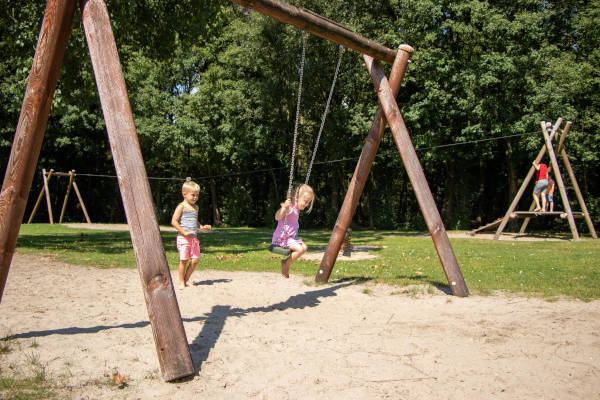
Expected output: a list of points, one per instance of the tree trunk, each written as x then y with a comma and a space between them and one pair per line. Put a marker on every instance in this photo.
449, 201
213, 198
513, 175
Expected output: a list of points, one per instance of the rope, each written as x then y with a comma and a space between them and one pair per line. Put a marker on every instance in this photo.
289, 192
335, 75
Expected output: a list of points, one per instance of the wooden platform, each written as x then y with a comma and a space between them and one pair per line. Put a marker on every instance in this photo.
534, 214
526, 214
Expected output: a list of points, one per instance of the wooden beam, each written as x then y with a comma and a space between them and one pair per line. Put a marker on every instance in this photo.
85, 213
361, 172
515, 202
39, 199
47, 190
560, 183
62, 212
165, 319
320, 26
417, 178
33, 119
567, 164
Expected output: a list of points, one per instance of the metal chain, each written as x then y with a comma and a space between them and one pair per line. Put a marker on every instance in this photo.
337, 70
289, 192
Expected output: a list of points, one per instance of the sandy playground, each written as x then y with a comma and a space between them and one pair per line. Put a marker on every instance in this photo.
259, 336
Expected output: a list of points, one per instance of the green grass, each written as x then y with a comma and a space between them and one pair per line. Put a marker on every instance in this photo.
541, 269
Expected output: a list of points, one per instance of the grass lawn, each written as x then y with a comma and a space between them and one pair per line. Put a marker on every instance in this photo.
541, 269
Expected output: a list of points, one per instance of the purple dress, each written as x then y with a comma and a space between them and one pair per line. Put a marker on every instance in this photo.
289, 227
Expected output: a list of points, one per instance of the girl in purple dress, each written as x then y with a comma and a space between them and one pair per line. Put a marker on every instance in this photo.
286, 234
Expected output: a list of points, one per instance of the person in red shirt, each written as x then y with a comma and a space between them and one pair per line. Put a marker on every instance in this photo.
541, 184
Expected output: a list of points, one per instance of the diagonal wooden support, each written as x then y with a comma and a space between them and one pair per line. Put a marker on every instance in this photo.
559, 181
361, 172
33, 119
567, 164
417, 178
161, 302
519, 194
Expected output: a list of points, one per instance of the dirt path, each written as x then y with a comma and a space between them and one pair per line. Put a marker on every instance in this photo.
259, 336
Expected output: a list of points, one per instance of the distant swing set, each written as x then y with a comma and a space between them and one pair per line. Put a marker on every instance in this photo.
46, 191
165, 318
568, 213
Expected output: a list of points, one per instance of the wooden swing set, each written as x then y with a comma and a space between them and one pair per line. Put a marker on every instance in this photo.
165, 319
568, 213
46, 191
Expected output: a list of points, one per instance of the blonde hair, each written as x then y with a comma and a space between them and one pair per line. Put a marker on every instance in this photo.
190, 186
300, 190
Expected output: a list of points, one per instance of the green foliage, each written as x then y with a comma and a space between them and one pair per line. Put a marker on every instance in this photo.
213, 90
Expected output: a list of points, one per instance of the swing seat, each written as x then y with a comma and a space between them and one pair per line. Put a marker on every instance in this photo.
283, 251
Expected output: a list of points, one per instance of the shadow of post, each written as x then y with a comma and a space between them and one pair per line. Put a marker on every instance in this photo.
215, 320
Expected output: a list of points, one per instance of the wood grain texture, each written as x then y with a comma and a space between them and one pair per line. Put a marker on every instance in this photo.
320, 26
362, 170
163, 311
25, 151
417, 179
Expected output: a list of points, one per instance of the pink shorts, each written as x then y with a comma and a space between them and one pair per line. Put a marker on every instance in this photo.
188, 247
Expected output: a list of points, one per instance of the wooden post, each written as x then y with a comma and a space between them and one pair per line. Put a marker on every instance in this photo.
361, 172
39, 199
417, 179
560, 146
519, 194
62, 212
567, 164
47, 190
85, 213
163, 311
320, 26
559, 181
33, 118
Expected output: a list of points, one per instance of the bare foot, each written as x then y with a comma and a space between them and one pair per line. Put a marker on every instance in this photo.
537, 209
181, 285
285, 268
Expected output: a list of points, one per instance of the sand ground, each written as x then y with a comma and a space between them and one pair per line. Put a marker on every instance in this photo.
260, 336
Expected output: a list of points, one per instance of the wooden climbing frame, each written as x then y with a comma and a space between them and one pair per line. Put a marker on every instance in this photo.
568, 213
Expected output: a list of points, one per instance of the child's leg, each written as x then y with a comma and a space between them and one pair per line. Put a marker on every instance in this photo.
544, 201
537, 201
182, 272
297, 251
190, 269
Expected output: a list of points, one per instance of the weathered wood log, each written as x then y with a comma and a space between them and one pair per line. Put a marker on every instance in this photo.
33, 118
567, 164
47, 190
39, 199
85, 213
163, 311
64, 206
417, 179
320, 26
361, 172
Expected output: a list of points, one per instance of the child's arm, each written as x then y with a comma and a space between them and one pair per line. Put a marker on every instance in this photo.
204, 228
175, 220
536, 165
283, 211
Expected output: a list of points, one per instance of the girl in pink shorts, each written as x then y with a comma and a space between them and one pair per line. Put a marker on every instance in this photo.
185, 220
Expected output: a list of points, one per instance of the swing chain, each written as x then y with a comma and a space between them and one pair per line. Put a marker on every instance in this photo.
335, 75
304, 37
